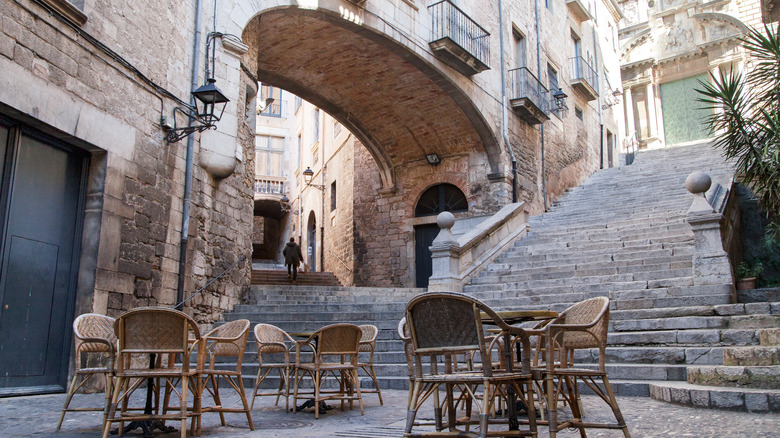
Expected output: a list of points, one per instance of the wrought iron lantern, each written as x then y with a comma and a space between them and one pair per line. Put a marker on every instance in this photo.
559, 97
209, 106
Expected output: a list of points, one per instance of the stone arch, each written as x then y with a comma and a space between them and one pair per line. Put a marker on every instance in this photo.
386, 91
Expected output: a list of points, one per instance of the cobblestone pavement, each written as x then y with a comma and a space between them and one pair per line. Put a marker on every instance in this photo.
38, 416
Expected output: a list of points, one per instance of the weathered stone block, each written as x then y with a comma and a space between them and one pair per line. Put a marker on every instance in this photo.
700, 398
680, 396
756, 402
727, 399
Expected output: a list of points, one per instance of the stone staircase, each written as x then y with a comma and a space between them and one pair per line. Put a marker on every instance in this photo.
622, 233
279, 277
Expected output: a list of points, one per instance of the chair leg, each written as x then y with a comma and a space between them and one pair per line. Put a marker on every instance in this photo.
217, 401
248, 411
615, 407
359, 394
183, 406
411, 411
68, 397
112, 407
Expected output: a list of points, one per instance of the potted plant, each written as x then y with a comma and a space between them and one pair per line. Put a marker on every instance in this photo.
747, 274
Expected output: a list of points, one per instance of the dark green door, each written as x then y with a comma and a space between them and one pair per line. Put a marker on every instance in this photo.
42, 202
423, 239
684, 118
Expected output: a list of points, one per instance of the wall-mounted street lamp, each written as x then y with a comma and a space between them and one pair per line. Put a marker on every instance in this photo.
559, 97
209, 106
433, 159
308, 174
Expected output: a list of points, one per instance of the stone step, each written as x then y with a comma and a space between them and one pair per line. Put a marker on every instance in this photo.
697, 337
752, 355
764, 377
662, 354
770, 336
698, 396
696, 322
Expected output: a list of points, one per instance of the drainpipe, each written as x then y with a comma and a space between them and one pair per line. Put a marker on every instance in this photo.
503, 102
539, 75
185, 215
598, 87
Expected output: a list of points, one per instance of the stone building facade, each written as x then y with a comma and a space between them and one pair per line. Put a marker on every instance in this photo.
666, 49
93, 194
407, 110
97, 212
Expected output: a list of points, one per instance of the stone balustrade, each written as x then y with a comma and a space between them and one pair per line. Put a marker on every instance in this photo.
457, 259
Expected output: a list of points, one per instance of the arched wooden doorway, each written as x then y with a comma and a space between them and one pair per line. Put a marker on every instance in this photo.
311, 242
436, 199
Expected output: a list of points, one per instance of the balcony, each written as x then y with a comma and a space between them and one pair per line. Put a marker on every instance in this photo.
268, 193
584, 78
579, 10
457, 40
529, 98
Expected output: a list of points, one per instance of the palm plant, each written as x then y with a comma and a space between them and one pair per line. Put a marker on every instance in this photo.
745, 115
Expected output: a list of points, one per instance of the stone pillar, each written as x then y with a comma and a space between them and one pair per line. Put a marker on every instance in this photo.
711, 264
444, 255
629, 105
652, 114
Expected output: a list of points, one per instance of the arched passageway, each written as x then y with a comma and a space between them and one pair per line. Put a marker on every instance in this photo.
397, 104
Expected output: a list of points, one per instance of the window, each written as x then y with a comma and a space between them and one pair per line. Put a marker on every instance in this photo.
548, 4
439, 198
300, 150
578, 113
519, 48
269, 151
298, 103
71, 9
316, 125
552, 79
552, 85
336, 128
275, 108
576, 47
333, 196
315, 157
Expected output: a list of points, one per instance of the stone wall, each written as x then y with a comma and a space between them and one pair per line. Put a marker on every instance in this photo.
339, 222
109, 102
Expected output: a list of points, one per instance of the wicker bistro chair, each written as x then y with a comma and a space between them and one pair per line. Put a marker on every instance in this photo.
442, 325
154, 331
335, 350
582, 326
368, 345
272, 340
94, 335
226, 341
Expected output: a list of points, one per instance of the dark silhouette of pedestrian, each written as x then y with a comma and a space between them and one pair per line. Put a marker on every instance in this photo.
292, 258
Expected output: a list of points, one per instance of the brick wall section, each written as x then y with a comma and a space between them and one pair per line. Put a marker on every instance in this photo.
137, 260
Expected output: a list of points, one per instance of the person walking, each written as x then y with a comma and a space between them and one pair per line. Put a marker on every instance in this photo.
292, 258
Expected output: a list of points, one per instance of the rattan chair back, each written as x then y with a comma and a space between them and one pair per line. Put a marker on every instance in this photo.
94, 326
157, 330
338, 339
368, 337
229, 339
593, 313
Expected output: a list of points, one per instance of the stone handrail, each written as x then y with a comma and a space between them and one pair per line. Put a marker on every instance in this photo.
457, 259
711, 262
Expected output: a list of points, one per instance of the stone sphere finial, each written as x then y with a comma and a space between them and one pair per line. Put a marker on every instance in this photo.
445, 219
698, 182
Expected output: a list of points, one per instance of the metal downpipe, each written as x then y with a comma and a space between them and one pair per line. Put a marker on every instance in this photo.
185, 215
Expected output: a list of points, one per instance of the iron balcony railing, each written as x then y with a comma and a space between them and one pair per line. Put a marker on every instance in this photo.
450, 22
526, 85
582, 70
273, 185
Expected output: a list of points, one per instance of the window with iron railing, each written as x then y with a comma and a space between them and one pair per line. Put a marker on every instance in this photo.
526, 86
450, 22
584, 71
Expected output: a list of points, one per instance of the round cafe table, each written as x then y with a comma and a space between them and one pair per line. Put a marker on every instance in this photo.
516, 317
